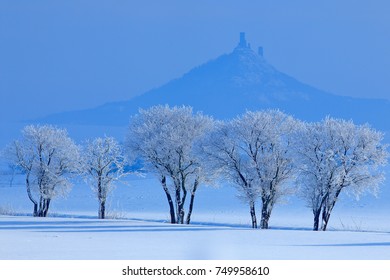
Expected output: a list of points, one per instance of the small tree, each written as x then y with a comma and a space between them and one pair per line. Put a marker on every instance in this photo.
165, 139
47, 156
336, 155
103, 164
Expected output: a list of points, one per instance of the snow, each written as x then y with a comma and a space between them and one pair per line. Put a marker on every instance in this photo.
74, 238
221, 227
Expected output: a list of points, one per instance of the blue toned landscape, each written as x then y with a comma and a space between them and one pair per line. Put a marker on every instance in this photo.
90, 67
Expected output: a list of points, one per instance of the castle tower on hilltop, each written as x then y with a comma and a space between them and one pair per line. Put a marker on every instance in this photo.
260, 51
243, 44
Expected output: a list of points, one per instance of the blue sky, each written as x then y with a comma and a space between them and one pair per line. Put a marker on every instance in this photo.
63, 55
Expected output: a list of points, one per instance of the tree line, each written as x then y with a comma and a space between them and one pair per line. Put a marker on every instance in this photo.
265, 155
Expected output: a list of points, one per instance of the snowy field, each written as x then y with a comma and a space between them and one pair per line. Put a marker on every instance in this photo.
138, 227
75, 238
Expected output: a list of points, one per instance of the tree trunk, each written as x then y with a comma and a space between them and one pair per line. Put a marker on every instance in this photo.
326, 211
102, 209
183, 200
35, 211
316, 219
191, 206
101, 197
264, 219
179, 202
47, 204
44, 204
253, 214
268, 201
169, 198
41, 203
179, 206
328, 208
265, 213
325, 219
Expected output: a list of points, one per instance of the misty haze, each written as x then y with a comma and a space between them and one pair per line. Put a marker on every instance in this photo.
193, 131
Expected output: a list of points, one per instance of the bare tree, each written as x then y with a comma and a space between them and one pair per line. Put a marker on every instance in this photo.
103, 164
165, 138
223, 156
265, 137
336, 155
47, 156
254, 152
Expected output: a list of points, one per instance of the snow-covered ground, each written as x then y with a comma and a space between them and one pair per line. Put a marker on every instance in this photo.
75, 238
220, 229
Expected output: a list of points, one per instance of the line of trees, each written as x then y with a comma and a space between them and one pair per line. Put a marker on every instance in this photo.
265, 155
49, 159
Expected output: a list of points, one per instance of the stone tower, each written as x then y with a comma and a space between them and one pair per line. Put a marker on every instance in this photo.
260, 51
242, 43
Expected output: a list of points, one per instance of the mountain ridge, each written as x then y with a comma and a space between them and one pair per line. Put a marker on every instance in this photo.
231, 84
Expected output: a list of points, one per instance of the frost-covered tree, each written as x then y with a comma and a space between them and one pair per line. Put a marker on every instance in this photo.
265, 137
336, 155
223, 156
47, 156
165, 139
103, 164
253, 152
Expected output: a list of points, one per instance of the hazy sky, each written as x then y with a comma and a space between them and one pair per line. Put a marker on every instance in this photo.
64, 55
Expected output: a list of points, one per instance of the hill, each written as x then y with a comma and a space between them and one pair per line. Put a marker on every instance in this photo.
229, 85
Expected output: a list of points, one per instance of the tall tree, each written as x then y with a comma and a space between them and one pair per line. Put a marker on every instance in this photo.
223, 156
47, 156
165, 139
103, 164
254, 152
336, 155
265, 137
